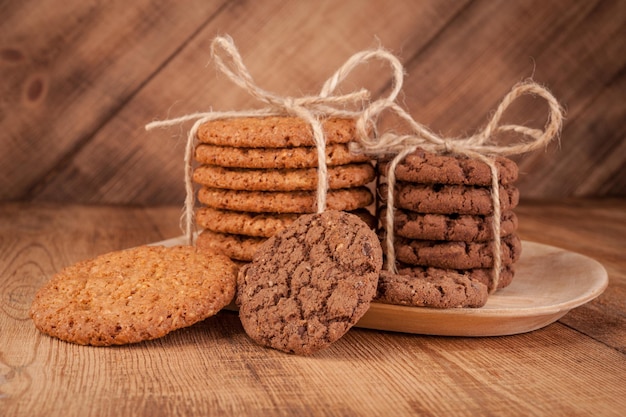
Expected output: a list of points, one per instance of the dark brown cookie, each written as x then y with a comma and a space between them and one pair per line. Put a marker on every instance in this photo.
431, 287
459, 227
133, 295
482, 275
310, 283
273, 132
449, 199
456, 255
430, 168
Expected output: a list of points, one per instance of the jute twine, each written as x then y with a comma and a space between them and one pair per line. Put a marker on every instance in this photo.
311, 109
479, 146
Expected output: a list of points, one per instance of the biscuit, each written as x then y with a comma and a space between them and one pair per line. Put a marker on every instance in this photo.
482, 275
245, 179
456, 255
430, 168
235, 246
256, 224
273, 132
133, 295
459, 227
431, 287
284, 201
275, 158
449, 199
310, 283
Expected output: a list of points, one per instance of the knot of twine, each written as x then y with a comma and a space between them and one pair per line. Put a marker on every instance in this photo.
479, 146
309, 108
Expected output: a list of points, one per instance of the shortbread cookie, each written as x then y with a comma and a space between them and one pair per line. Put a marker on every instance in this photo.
430, 168
459, 227
431, 287
275, 158
482, 275
448, 199
133, 295
244, 179
273, 132
238, 247
456, 255
284, 201
310, 283
256, 224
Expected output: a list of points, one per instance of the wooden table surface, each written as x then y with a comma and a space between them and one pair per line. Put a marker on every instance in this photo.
574, 367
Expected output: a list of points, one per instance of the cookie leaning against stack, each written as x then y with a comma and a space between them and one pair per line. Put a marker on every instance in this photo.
258, 175
443, 230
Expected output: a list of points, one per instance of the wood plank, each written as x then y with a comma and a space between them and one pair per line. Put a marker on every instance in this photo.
289, 47
214, 368
67, 68
574, 48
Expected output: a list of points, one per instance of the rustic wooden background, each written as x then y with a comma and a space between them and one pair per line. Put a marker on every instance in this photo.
79, 80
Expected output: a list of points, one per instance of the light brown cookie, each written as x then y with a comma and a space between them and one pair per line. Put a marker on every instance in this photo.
310, 283
133, 295
284, 201
456, 255
275, 158
273, 132
256, 224
459, 227
236, 247
244, 179
431, 287
449, 199
430, 168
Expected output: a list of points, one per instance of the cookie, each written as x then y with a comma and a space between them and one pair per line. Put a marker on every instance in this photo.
431, 287
236, 247
431, 168
310, 283
275, 158
133, 295
456, 255
459, 227
284, 201
273, 132
244, 179
449, 199
256, 224
482, 275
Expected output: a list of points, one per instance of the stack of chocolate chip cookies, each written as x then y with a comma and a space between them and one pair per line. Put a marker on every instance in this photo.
443, 226
259, 174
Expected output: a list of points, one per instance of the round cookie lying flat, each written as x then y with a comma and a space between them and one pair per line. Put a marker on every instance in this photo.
430, 168
482, 275
273, 132
431, 287
245, 179
284, 201
310, 283
448, 199
275, 158
235, 246
133, 295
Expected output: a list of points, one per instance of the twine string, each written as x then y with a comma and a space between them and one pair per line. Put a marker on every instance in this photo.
309, 108
479, 146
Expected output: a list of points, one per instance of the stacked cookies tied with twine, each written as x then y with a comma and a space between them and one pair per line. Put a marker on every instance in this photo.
257, 175
442, 228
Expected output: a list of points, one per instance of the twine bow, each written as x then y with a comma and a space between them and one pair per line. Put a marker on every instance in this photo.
478, 146
309, 108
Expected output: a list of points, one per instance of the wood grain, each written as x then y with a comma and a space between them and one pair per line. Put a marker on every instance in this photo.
79, 82
572, 367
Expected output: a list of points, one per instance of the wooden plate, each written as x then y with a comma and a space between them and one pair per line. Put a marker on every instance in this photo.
548, 283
